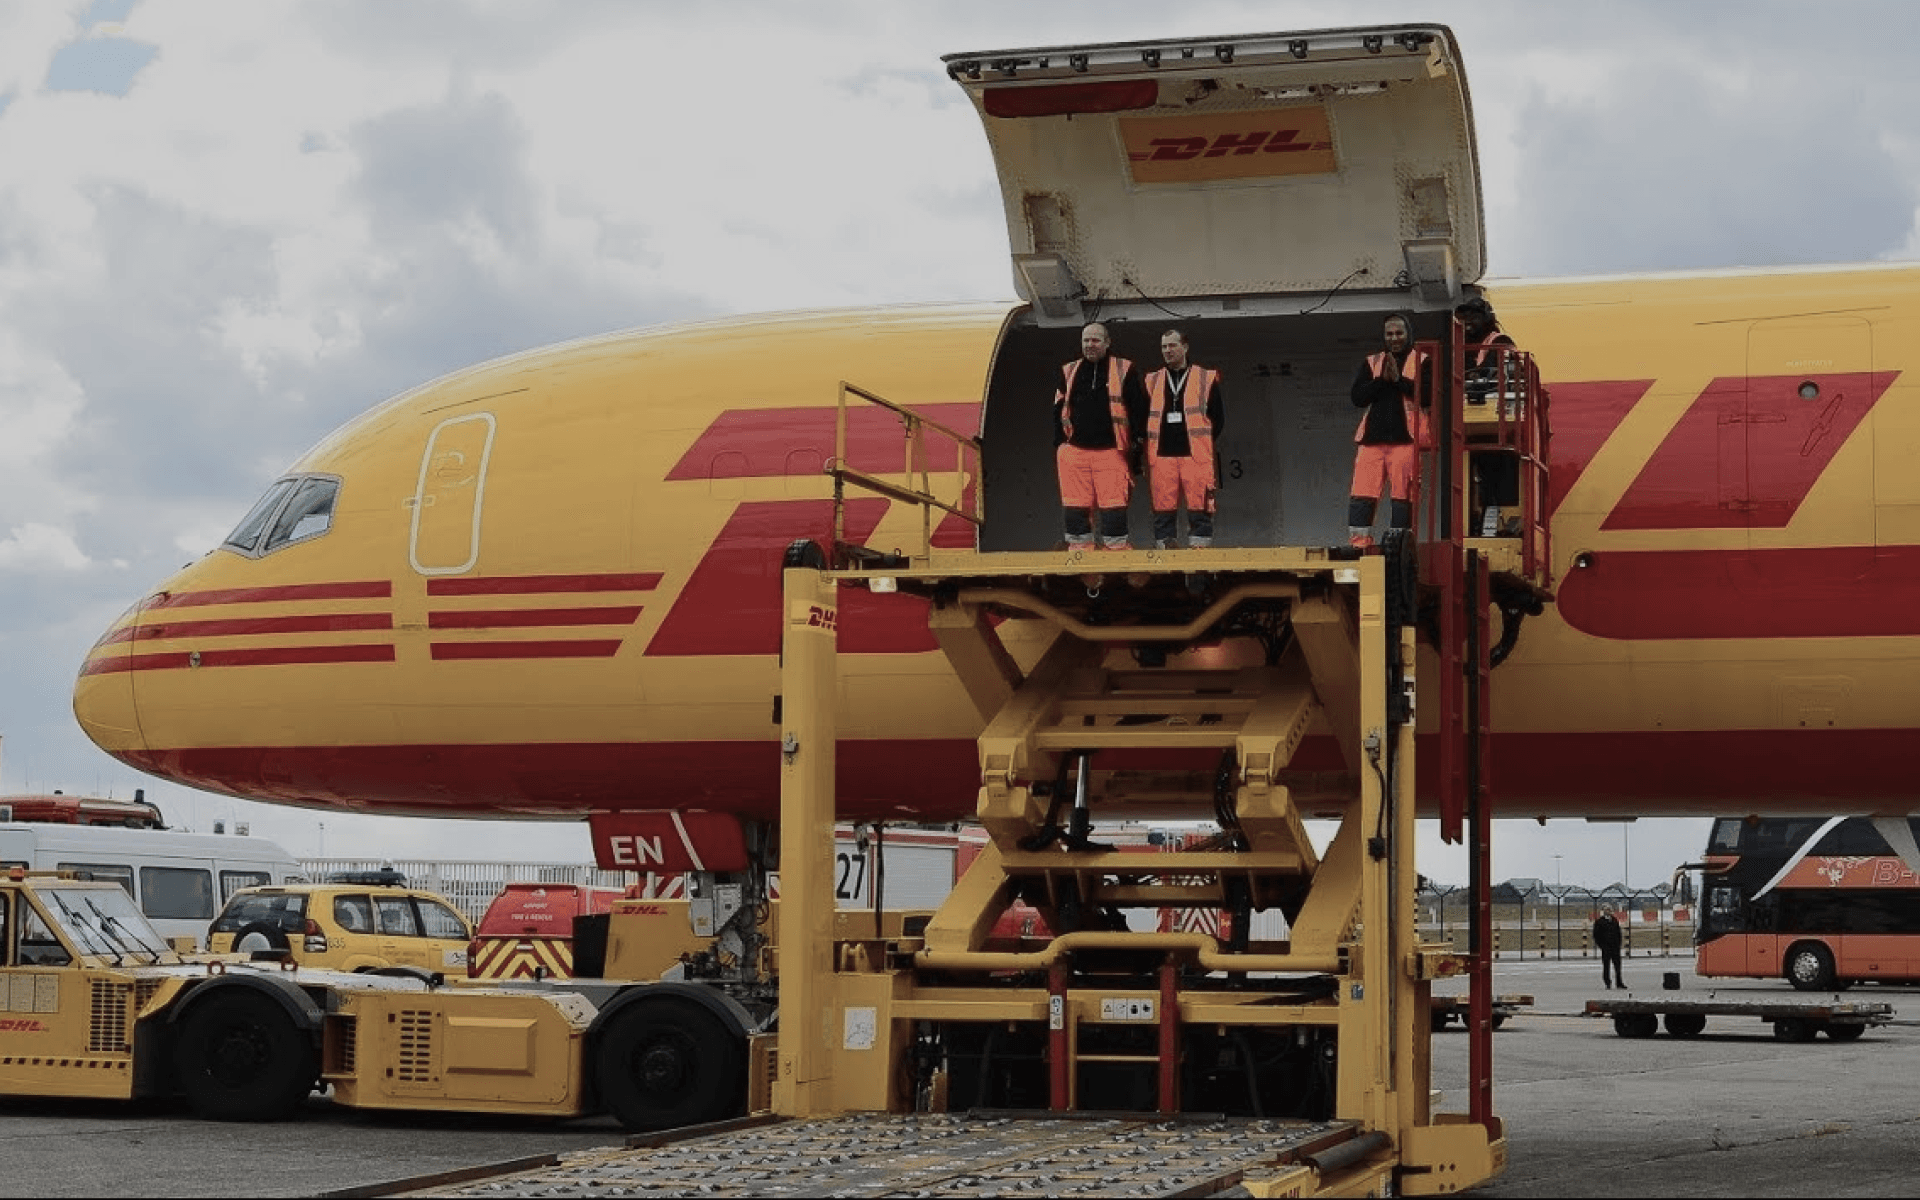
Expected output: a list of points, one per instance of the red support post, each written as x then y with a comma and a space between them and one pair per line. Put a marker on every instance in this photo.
1169, 1037
1480, 845
1059, 1043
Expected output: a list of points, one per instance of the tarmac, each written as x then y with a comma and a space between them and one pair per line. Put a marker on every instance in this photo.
1732, 1112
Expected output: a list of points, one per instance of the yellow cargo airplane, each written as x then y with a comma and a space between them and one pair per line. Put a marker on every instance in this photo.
548, 585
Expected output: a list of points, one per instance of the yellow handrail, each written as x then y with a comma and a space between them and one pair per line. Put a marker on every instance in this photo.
917, 487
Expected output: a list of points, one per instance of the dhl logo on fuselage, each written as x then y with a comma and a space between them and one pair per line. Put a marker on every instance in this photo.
1787, 445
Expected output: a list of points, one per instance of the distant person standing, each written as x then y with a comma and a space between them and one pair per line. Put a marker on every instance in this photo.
1099, 419
1606, 938
1185, 416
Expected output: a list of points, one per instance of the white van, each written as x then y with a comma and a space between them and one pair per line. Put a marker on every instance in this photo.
180, 880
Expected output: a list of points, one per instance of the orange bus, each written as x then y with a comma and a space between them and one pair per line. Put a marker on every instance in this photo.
1823, 902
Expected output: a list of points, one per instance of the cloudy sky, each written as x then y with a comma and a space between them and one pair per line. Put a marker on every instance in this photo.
226, 227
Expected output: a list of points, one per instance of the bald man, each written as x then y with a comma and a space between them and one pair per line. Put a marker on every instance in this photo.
1099, 421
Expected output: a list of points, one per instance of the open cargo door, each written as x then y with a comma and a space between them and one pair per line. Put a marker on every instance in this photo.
1224, 167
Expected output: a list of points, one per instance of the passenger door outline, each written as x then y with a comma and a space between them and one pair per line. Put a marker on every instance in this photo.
448, 462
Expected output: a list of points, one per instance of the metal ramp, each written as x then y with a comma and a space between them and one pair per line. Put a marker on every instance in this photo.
973, 1154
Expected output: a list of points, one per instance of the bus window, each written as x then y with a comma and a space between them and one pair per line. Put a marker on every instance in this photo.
179, 893
1782, 836
110, 872
1726, 836
1853, 838
233, 881
6, 943
1723, 911
38, 946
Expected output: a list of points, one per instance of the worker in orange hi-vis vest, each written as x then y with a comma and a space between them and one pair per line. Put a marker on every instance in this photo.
1099, 418
1391, 385
1185, 416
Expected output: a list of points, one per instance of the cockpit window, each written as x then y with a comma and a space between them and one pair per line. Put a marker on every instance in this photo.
308, 513
296, 509
247, 535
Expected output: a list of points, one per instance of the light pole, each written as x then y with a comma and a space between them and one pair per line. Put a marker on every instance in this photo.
1626, 889
1559, 910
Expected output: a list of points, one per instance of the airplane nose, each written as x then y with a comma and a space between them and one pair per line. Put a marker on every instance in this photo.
103, 699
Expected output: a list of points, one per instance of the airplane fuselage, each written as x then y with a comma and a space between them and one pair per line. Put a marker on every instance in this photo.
549, 585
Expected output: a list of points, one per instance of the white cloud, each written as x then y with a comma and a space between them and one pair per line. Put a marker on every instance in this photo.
201, 538
33, 30
37, 547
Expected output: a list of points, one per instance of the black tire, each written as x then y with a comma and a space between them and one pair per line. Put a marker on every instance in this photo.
1636, 1025
1439, 1020
1846, 1033
265, 936
1809, 967
671, 1062
240, 1056
432, 979
1795, 1029
1685, 1024
1498, 1019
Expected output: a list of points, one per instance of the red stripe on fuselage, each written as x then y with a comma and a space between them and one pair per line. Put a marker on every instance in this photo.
731, 603
1827, 591
1584, 416
509, 618
1746, 452
1647, 773
581, 649
766, 442
262, 656
509, 585
249, 626
372, 589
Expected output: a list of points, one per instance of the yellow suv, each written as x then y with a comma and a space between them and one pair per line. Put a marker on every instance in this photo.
355, 922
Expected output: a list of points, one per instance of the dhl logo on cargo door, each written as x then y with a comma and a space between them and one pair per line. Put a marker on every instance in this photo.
1244, 145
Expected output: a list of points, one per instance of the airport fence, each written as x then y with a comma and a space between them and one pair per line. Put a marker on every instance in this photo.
1549, 923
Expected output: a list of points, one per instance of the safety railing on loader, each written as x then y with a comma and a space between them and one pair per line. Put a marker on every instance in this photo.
1504, 431
913, 481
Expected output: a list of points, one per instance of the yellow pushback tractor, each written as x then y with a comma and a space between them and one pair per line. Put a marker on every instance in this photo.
94, 1004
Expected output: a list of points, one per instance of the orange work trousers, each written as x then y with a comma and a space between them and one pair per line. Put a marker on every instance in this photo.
1177, 478
1093, 478
1396, 466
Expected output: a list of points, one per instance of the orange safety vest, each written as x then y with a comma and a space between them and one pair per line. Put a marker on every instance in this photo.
1117, 369
1193, 408
1416, 417
1479, 352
